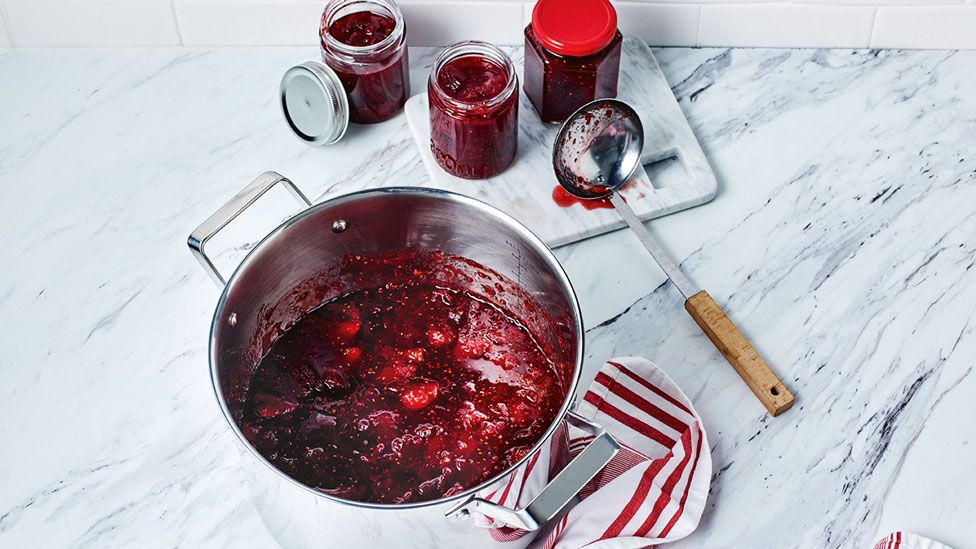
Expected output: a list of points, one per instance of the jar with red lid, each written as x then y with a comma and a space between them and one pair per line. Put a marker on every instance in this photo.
572, 55
364, 42
473, 99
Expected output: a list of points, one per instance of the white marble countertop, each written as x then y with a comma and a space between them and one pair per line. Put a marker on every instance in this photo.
841, 241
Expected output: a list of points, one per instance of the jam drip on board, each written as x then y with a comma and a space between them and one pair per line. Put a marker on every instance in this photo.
405, 392
563, 199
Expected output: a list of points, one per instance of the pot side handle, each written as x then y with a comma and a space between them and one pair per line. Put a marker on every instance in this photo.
229, 211
560, 490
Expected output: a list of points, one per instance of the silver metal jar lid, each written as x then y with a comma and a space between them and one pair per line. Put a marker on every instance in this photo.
314, 103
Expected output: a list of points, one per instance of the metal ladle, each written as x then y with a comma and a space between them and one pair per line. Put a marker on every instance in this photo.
596, 152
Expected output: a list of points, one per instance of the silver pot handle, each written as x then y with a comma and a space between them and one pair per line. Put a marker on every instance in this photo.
233, 208
560, 490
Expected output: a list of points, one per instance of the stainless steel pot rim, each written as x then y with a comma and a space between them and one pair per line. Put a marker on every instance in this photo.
550, 259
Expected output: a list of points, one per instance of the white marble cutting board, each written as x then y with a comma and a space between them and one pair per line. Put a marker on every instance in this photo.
525, 189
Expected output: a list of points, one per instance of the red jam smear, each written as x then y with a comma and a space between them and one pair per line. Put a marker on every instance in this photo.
563, 199
376, 88
406, 392
558, 85
480, 141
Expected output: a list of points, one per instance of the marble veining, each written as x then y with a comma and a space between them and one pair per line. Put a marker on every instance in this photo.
841, 241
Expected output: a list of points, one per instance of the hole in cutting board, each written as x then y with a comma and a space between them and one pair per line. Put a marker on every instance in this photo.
774, 391
666, 172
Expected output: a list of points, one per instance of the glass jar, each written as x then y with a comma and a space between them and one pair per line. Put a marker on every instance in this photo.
473, 99
365, 43
572, 55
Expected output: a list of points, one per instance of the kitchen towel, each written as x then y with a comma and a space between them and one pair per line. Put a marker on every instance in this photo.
652, 491
904, 540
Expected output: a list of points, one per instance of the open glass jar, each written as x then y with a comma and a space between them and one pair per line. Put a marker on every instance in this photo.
572, 55
364, 42
473, 96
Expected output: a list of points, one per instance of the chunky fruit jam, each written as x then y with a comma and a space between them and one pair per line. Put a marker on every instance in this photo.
377, 84
404, 392
472, 78
558, 85
363, 28
473, 130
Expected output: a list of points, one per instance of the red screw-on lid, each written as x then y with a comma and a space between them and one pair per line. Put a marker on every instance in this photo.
574, 27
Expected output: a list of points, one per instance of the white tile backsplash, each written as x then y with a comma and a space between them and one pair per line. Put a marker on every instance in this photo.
744, 23
659, 24
785, 25
443, 23
91, 23
249, 23
883, 2
947, 27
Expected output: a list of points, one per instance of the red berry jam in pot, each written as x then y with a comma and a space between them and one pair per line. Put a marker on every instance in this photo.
473, 96
364, 42
572, 56
405, 392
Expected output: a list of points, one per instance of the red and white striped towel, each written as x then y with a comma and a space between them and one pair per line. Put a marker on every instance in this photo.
904, 540
653, 491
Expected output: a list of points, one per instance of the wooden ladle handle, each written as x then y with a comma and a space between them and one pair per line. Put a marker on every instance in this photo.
740, 354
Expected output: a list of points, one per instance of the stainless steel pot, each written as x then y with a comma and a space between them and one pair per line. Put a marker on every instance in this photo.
287, 274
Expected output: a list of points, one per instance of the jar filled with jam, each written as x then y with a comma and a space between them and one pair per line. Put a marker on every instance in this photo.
364, 42
473, 96
572, 55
